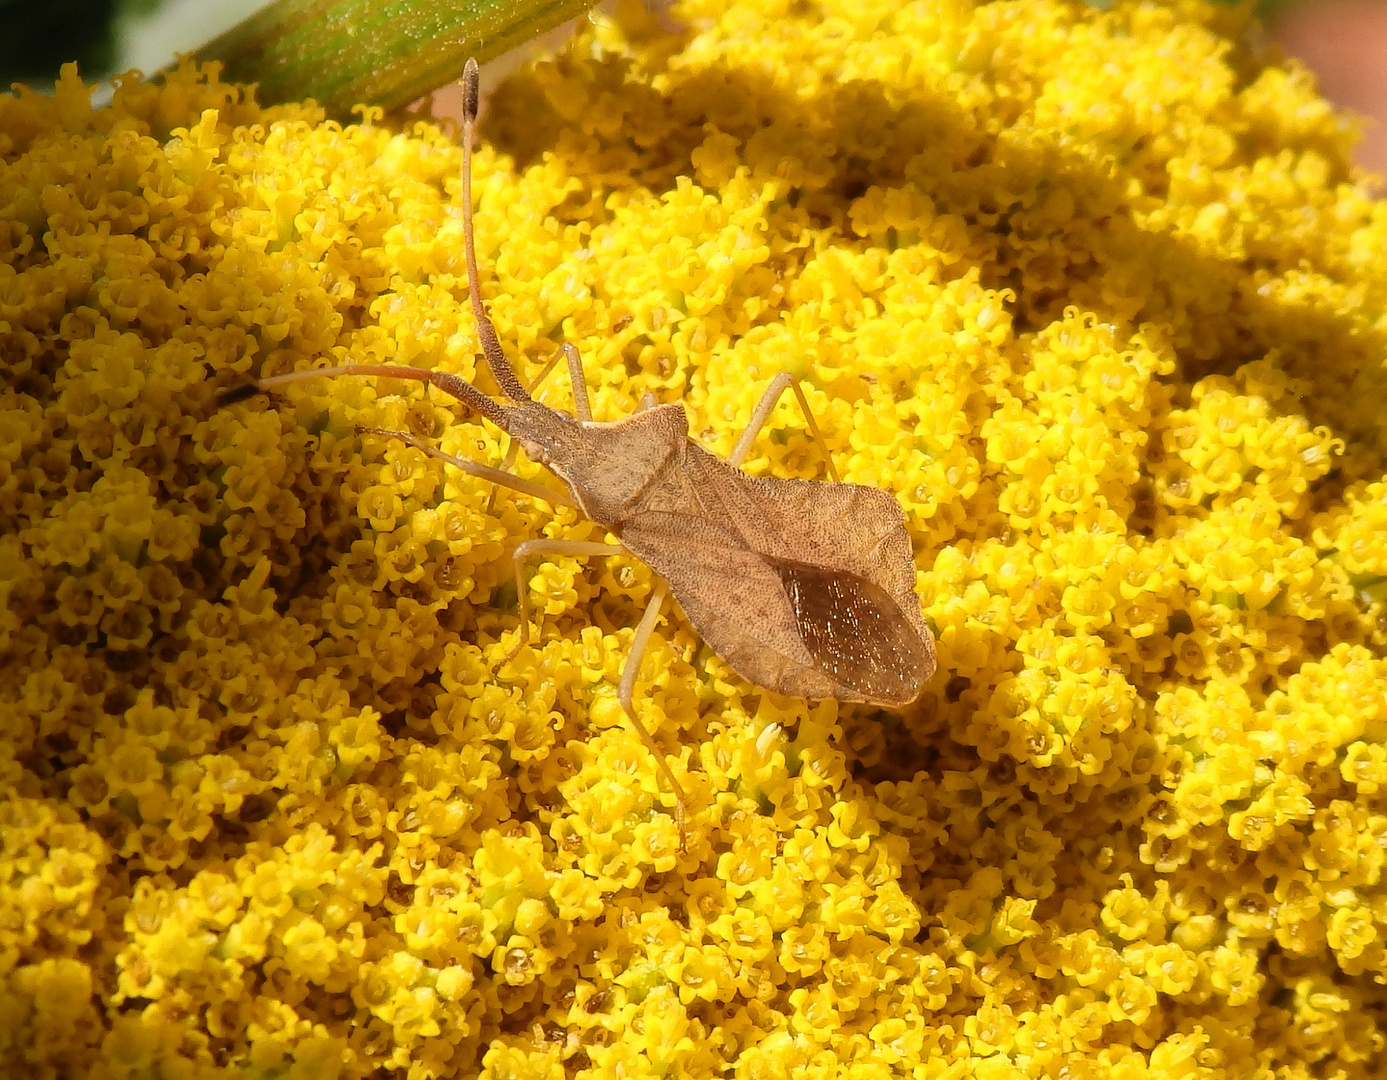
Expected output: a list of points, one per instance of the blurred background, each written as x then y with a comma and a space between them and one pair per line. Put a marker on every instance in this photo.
1344, 42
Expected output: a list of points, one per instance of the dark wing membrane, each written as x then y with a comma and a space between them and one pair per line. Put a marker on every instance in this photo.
857, 634
734, 598
845, 561
796, 629
805, 588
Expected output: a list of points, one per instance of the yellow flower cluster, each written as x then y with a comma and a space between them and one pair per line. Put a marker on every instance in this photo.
1096, 295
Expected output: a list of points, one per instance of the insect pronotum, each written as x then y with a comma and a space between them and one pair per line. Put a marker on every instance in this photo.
804, 587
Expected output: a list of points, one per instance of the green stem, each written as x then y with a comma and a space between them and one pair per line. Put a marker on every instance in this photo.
380, 52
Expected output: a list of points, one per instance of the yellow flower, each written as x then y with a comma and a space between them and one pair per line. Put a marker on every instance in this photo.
702, 974
309, 951
1094, 294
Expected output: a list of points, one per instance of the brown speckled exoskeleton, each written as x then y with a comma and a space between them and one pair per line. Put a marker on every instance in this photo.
805, 588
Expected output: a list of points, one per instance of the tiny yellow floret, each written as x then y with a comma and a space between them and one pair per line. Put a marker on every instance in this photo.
1096, 295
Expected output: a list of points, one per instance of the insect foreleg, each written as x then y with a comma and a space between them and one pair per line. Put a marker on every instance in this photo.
627, 688
513, 451
553, 496
582, 408
762, 412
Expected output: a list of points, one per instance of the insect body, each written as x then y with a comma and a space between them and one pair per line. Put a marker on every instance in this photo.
805, 588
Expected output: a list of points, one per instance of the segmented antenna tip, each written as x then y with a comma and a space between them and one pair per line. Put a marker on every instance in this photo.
471, 82
238, 393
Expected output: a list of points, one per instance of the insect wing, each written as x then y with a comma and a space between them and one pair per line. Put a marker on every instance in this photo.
857, 634
734, 598
805, 588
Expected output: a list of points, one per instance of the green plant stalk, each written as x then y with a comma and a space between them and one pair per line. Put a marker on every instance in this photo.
378, 52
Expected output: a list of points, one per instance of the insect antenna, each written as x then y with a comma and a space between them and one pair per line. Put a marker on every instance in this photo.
496, 361
451, 384
486, 333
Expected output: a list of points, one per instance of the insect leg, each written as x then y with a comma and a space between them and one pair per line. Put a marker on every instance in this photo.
552, 363
627, 689
763, 411
513, 451
508, 463
552, 496
581, 406
527, 550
